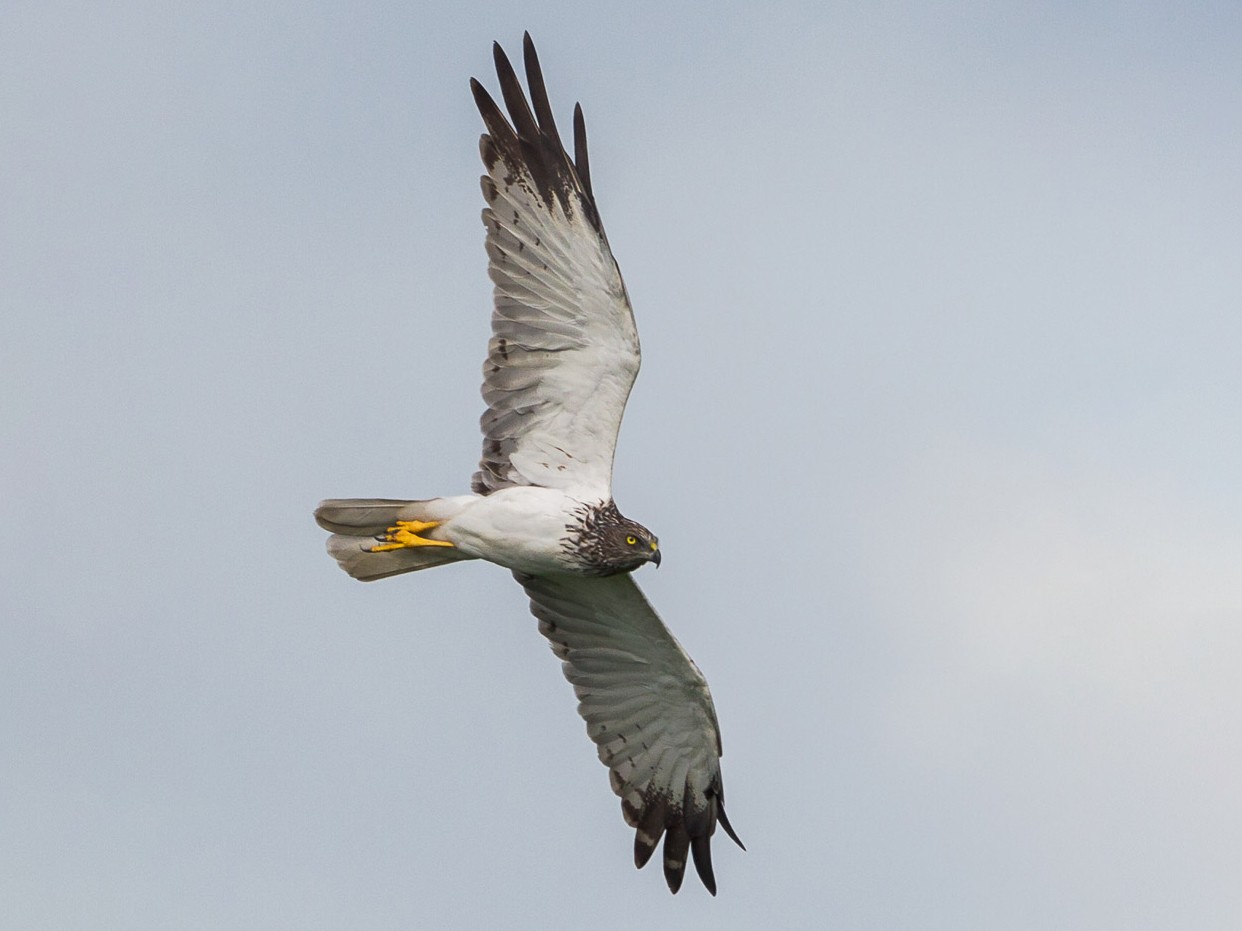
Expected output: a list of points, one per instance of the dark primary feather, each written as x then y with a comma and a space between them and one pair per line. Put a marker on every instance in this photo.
580, 156
532, 141
538, 91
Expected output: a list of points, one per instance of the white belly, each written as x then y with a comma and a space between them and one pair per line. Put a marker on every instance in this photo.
519, 528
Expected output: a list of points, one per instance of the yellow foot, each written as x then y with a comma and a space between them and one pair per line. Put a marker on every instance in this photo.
406, 534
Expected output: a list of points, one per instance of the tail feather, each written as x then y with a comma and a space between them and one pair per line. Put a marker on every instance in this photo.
356, 522
369, 516
355, 557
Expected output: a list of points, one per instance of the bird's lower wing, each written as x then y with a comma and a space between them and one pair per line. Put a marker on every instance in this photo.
648, 709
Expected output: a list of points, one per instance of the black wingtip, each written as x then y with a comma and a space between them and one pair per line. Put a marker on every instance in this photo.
649, 831
676, 852
483, 100
724, 823
582, 163
515, 99
673, 876
539, 93
642, 851
528, 139
701, 853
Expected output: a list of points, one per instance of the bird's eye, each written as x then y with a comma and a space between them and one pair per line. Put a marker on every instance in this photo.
631, 540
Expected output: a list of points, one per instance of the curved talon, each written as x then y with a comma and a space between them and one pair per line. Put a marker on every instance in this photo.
406, 535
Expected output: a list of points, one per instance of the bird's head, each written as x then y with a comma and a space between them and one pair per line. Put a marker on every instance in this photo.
628, 545
603, 541
632, 545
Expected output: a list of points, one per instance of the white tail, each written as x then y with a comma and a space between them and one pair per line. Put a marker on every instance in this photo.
356, 522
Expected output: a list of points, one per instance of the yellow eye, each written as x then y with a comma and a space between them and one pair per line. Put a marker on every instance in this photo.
631, 540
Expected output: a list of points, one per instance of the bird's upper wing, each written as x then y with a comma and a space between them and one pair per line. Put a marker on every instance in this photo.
564, 350
648, 709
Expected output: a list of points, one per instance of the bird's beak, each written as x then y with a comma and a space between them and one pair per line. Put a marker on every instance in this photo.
655, 557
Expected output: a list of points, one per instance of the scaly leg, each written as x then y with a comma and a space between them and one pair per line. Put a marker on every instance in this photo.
406, 534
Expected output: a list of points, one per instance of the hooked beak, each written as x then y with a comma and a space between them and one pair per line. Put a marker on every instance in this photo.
655, 557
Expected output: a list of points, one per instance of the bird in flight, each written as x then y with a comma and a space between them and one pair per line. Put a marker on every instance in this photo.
561, 360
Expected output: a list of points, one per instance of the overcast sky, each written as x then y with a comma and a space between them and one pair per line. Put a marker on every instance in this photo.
938, 424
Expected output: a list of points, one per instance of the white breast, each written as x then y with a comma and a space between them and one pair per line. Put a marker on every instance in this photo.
519, 528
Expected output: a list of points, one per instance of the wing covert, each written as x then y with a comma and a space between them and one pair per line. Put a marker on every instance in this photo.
564, 348
648, 710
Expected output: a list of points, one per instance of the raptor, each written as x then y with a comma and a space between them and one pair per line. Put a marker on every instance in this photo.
561, 361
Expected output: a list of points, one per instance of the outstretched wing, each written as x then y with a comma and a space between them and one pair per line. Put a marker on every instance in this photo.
564, 350
648, 709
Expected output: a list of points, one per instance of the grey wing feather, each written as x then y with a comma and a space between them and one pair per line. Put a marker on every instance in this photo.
564, 349
648, 709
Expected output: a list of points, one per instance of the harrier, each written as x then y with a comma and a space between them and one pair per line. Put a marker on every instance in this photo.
560, 364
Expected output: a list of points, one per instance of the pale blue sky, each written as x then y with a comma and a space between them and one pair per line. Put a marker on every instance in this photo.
938, 425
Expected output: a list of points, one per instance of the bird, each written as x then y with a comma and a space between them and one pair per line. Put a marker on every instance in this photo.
561, 360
